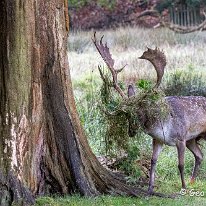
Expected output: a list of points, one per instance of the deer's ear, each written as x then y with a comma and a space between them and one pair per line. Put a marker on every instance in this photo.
130, 91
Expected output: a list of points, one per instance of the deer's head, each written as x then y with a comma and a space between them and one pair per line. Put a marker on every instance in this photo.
158, 60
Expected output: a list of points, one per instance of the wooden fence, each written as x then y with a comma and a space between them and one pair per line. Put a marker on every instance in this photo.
185, 16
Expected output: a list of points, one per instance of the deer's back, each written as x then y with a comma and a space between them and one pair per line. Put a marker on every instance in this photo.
186, 120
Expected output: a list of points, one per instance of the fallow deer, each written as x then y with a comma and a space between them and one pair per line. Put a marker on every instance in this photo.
184, 125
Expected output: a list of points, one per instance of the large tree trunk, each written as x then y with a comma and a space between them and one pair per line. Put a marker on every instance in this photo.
42, 144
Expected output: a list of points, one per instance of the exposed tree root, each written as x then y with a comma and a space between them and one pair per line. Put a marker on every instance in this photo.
12, 192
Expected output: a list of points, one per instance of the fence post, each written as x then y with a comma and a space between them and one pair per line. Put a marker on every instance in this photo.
185, 16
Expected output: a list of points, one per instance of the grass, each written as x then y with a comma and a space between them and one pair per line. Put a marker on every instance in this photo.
185, 59
189, 199
121, 201
195, 195
127, 44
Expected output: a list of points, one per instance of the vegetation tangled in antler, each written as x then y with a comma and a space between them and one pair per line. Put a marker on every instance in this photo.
117, 116
120, 112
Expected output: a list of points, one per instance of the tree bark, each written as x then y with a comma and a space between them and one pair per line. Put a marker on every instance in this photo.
42, 144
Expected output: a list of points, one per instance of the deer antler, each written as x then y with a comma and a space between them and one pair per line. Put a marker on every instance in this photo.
107, 57
158, 60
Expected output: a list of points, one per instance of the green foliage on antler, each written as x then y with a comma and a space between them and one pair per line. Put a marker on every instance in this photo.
117, 111
116, 120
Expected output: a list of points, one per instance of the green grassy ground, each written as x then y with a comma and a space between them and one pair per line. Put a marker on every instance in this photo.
122, 201
167, 182
191, 198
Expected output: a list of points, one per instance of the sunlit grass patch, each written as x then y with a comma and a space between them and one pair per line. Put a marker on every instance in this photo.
190, 199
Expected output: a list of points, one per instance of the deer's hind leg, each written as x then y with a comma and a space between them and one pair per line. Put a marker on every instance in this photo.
194, 148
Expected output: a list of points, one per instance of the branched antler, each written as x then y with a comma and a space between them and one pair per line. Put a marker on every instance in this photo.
158, 60
107, 57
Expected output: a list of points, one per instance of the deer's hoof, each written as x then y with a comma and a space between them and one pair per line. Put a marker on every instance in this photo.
150, 192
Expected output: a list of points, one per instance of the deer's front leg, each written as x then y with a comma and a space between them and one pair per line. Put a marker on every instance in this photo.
157, 148
181, 157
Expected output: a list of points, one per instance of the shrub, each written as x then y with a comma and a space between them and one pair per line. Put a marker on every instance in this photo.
80, 3
185, 83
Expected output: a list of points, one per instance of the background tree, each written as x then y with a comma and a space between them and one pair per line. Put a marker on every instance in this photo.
43, 146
